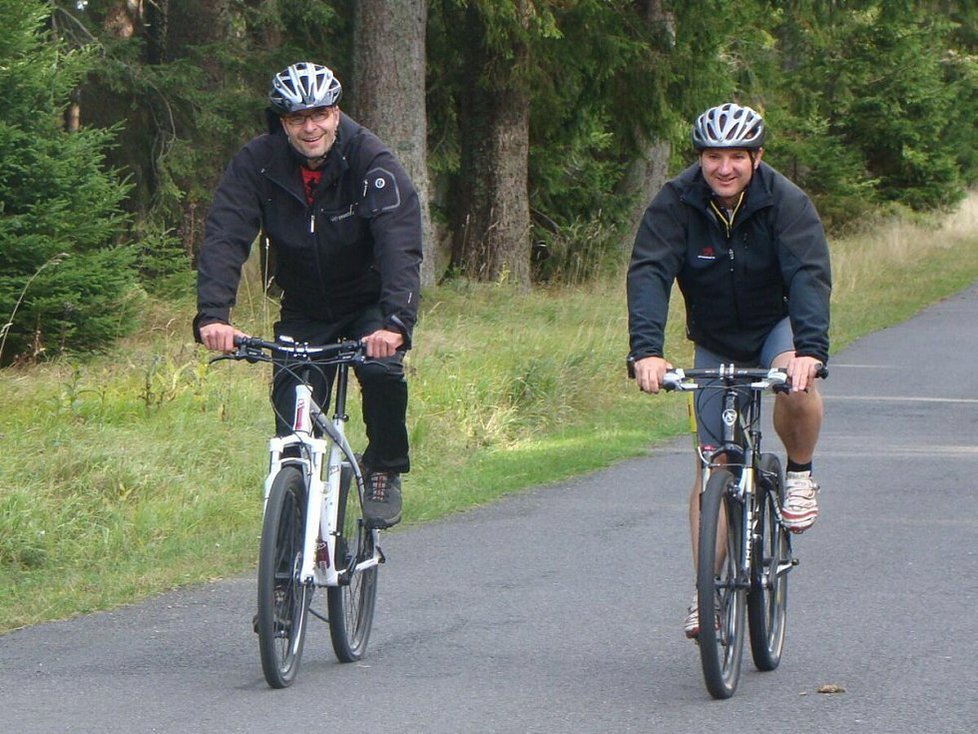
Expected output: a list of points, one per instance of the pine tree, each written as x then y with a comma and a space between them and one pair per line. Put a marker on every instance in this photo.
68, 281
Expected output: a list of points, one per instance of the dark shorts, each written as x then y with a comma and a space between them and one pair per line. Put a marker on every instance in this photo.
708, 403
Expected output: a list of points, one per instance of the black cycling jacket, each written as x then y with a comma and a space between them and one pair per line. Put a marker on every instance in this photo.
357, 245
773, 262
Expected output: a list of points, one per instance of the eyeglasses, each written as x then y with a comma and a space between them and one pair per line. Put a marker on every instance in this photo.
317, 116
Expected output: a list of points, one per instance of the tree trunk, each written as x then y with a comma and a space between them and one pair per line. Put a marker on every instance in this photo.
388, 93
491, 213
649, 170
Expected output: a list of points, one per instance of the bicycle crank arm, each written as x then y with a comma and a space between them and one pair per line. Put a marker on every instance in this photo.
344, 578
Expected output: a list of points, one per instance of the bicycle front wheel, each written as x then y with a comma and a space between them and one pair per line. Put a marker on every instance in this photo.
351, 605
767, 601
720, 592
283, 602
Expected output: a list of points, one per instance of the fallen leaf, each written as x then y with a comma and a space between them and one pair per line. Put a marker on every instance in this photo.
831, 688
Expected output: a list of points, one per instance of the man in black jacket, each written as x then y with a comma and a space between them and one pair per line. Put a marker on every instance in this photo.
750, 256
344, 225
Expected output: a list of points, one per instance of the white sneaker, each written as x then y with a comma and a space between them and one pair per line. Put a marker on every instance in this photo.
692, 624
800, 501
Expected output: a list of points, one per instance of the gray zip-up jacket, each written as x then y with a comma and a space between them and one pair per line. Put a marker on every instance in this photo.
737, 281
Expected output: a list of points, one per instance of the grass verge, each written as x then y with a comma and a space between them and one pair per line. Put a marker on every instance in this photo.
126, 474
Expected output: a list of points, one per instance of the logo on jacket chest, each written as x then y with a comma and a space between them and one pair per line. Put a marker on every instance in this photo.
707, 252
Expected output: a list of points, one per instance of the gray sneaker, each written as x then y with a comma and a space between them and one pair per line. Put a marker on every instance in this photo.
382, 499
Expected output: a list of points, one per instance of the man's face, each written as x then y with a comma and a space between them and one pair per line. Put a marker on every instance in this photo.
312, 132
728, 170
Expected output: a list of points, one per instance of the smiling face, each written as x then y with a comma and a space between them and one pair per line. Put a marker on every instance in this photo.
728, 171
312, 132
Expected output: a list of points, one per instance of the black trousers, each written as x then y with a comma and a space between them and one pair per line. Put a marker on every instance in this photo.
383, 388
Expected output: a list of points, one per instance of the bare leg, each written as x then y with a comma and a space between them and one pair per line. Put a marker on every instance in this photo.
798, 419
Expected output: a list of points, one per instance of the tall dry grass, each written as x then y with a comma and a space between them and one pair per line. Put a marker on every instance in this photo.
892, 268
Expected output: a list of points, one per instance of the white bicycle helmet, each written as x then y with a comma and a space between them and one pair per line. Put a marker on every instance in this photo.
728, 126
303, 86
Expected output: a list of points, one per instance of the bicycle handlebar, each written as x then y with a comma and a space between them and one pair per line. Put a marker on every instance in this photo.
775, 379
255, 349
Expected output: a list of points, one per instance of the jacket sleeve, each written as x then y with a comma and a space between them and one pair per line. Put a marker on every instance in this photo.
390, 203
804, 256
657, 257
232, 225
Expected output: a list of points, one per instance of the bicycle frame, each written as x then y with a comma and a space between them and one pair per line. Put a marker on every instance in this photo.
740, 458
321, 461
740, 445
319, 552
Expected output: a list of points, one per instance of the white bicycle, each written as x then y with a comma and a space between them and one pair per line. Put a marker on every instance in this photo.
314, 534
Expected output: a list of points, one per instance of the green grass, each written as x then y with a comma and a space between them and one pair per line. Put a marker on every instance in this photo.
130, 473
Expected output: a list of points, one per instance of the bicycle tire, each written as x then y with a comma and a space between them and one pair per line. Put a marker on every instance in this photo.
283, 602
720, 593
351, 605
767, 600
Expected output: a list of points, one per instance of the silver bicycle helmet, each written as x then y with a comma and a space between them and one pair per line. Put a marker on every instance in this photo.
303, 86
728, 126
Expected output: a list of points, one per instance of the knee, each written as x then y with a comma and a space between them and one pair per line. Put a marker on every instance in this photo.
800, 404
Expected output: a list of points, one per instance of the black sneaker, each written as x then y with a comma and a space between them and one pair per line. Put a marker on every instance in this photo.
382, 499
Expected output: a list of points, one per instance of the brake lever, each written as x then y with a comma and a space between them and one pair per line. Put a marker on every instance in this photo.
672, 381
251, 355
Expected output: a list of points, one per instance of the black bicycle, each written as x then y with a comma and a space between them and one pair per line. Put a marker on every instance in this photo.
744, 552
314, 534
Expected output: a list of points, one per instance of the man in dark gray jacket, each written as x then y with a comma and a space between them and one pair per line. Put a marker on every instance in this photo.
750, 256
344, 226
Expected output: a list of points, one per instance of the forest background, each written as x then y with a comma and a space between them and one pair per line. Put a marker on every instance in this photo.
536, 130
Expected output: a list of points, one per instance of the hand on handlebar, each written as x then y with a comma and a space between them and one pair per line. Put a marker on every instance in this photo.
382, 343
220, 337
649, 372
802, 372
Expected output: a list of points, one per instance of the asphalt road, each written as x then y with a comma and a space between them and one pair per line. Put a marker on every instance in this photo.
560, 610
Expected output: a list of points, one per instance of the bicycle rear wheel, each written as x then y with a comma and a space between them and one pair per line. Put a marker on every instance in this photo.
351, 605
720, 593
283, 602
767, 600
